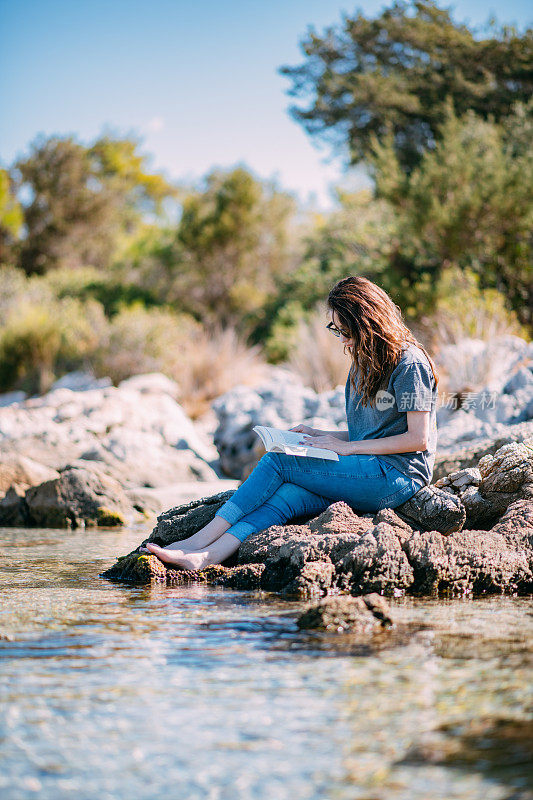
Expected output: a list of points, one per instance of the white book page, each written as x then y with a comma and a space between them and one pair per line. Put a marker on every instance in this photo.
283, 441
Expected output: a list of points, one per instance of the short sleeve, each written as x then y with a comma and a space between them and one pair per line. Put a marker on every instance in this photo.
414, 387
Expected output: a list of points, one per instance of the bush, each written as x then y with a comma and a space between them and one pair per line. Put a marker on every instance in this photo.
464, 310
89, 283
38, 341
212, 363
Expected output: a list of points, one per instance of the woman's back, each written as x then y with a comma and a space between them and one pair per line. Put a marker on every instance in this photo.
411, 387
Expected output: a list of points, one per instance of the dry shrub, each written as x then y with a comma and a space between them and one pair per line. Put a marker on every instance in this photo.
139, 340
318, 356
212, 362
460, 334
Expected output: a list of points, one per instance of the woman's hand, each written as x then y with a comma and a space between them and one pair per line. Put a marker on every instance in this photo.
327, 442
305, 429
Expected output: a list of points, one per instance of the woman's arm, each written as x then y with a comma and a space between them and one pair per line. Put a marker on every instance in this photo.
414, 439
306, 430
342, 435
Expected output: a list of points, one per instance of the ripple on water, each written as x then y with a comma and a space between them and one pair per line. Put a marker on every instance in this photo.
114, 691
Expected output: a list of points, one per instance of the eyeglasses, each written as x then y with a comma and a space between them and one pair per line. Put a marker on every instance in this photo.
335, 331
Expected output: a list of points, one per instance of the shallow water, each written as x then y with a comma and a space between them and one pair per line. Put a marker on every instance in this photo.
109, 691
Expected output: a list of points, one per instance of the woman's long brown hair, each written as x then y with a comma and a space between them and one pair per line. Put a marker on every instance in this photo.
374, 322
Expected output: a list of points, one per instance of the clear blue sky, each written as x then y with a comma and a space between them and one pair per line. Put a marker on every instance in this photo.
196, 78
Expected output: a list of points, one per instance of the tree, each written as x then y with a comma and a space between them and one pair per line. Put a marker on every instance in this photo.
10, 218
351, 240
392, 75
234, 243
81, 200
468, 205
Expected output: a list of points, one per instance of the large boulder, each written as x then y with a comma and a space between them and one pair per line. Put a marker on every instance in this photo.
395, 551
433, 509
501, 478
19, 472
136, 432
468, 453
78, 497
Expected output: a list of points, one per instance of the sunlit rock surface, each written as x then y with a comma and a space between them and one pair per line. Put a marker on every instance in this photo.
366, 614
341, 551
136, 435
136, 432
76, 498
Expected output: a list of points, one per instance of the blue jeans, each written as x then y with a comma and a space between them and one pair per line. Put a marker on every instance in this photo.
282, 486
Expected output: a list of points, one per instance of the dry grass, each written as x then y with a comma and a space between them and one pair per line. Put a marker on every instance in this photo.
317, 356
205, 363
463, 332
211, 363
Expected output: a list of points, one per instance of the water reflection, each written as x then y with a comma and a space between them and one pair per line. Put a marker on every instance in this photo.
111, 691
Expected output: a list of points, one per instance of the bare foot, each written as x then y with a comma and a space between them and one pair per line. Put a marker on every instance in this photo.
189, 561
176, 546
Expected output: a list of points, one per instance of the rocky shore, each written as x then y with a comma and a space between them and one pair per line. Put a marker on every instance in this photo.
470, 534
91, 454
88, 453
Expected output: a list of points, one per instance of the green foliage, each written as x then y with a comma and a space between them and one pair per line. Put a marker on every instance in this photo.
348, 241
82, 200
10, 218
38, 340
468, 204
234, 244
463, 309
111, 293
393, 74
138, 340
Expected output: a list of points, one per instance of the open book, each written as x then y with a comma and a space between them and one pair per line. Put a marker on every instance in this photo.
279, 441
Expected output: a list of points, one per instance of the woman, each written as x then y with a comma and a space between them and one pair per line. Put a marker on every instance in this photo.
385, 457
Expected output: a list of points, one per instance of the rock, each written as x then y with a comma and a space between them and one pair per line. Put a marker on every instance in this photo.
447, 461
469, 476
521, 379
138, 568
516, 527
339, 551
468, 562
510, 470
501, 478
376, 563
401, 528
19, 472
13, 511
151, 383
314, 578
78, 497
332, 533
137, 433
152, 502
80, 381
8, 398
361, 614
432, 508
242, 576
181, 522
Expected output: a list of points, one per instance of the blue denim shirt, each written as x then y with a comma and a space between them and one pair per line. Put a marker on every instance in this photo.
411, 387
